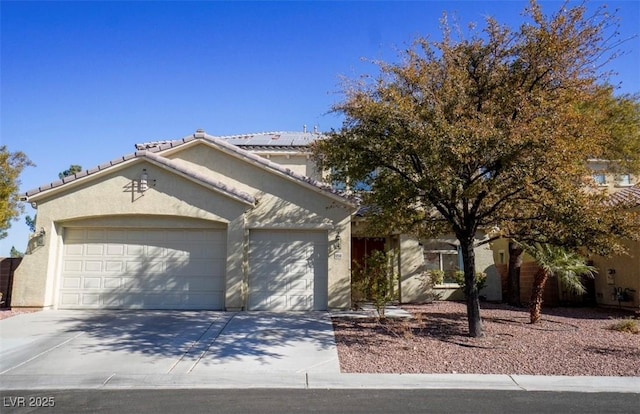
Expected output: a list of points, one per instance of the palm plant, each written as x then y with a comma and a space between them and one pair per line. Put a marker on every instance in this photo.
557, 261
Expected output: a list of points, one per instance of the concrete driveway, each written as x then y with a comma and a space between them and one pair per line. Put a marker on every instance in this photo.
156, 348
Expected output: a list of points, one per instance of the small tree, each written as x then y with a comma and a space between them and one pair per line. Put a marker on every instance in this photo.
73, 168
11, 166
375, 280
568, 266
15, 252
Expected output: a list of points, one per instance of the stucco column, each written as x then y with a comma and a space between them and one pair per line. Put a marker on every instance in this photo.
236, 265
339, 266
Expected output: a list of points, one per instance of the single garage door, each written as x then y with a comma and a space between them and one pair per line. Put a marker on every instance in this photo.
287, 270
143, 269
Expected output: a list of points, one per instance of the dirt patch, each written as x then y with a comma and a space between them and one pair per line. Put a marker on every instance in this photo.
567, 341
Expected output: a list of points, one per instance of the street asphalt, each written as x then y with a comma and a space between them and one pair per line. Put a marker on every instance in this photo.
216, 350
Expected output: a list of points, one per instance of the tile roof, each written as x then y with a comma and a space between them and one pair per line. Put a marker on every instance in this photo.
151, 152
157, 159
628, 196
84, 173
262, 140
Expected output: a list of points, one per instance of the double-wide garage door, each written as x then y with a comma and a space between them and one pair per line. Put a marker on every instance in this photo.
143, 269
287, 270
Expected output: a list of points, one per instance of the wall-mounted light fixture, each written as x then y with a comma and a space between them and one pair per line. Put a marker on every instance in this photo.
40, 236
143, 182
338, 244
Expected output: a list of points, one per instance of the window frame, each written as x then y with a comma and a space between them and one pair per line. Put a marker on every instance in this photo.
600, 178
449, 280
622, 182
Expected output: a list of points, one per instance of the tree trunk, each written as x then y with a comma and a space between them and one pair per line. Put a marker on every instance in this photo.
537, 290
471, 289
516, 254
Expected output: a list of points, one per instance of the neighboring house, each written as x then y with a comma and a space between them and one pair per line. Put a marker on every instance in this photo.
608, 181
237, 222
198, 223
618, 280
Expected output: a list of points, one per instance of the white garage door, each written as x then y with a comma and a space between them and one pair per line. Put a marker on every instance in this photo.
287, 270
143, 269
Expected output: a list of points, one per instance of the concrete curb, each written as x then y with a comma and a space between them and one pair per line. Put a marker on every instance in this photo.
304, 380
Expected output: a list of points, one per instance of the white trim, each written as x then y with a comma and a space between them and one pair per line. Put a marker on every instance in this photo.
289, 226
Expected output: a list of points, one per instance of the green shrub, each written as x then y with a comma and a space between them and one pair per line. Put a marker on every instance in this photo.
374, 281
437, 276
481, 280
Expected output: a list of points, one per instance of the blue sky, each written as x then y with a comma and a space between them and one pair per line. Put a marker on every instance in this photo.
82, 82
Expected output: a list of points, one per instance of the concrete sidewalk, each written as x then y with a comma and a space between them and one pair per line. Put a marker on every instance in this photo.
305, 380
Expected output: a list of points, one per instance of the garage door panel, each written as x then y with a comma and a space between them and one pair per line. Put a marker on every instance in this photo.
112, 282
287, 270
93, 266
90, 299
298, 285
91, 283
93, 250
71, 282
73, 250
113, 266
300, 302
72, 265
70, 299
142, 268
134, 250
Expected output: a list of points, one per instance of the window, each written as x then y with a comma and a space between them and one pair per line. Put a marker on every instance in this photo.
442, 256
365, 185
624, 180
600, 178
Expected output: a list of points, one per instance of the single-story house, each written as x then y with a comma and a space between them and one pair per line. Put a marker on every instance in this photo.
241, 222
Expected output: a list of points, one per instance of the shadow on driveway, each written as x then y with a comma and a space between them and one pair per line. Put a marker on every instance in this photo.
209, 338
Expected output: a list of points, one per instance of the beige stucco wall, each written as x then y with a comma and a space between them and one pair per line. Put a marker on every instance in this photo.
485, 262
111, 199
298, 162
417, 288
414, 286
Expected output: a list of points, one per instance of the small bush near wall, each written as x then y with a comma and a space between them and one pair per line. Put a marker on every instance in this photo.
481, 280
374, 281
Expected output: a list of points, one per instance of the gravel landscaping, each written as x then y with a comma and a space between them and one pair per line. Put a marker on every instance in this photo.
567, 341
